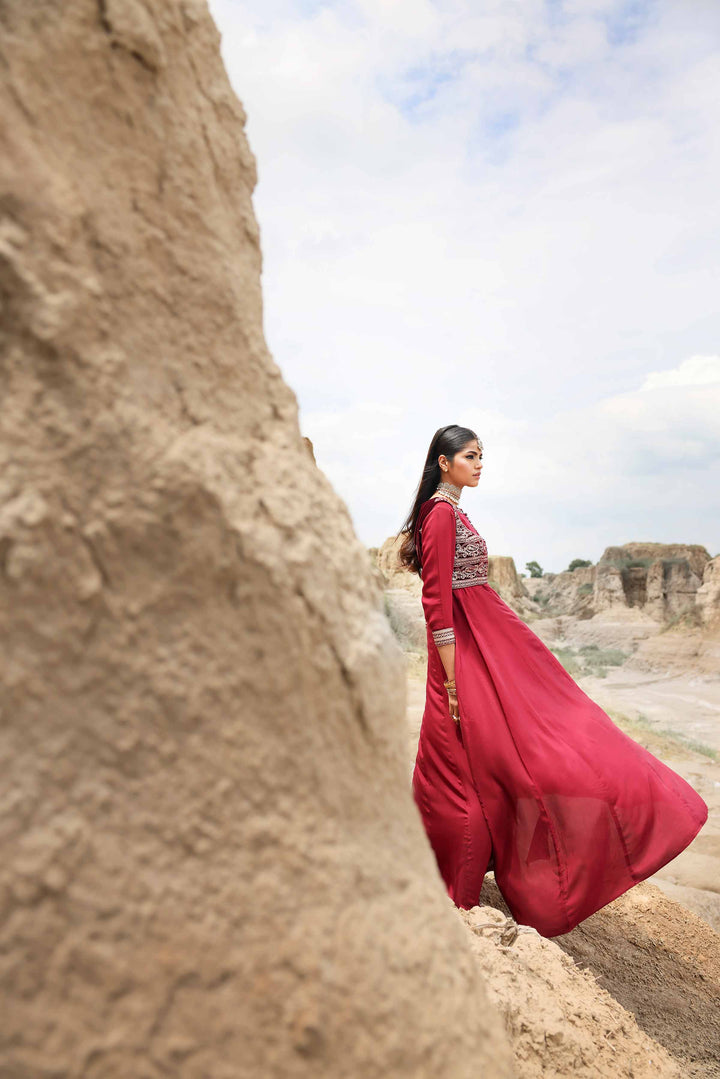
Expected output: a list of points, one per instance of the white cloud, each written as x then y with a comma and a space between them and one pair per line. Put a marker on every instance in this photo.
694, 371
500, 211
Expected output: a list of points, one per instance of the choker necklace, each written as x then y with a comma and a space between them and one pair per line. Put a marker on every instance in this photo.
449, 492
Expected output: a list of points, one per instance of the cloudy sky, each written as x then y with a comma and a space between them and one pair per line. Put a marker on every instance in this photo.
504, 214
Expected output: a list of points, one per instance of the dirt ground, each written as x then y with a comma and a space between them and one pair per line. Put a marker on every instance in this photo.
686, 705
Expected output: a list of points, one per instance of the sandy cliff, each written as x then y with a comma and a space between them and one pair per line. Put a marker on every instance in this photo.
662, 579
664, 582
210, 863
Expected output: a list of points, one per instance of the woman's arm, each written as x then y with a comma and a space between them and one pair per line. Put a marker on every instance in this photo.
447, 658
438, 558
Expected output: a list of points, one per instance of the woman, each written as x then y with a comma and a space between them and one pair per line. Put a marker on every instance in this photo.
517, 768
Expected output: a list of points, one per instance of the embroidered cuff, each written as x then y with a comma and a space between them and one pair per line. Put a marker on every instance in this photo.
444, 636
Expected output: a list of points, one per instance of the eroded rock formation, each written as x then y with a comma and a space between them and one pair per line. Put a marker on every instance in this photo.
708, 594
662, 579
394, 575
570, 592
503, 577
210, 861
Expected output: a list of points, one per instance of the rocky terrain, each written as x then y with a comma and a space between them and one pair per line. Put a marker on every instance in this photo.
211, 865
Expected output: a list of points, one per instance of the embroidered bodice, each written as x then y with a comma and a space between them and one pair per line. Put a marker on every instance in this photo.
471, 555
453, 556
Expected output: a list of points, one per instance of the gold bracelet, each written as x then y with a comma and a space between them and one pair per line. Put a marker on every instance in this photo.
450, 684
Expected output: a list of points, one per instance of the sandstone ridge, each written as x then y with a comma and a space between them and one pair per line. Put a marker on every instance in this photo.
210, 863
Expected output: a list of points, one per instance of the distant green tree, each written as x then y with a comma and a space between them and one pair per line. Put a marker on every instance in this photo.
579, 563
534, 568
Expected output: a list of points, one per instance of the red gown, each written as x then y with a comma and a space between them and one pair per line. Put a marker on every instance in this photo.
537, 776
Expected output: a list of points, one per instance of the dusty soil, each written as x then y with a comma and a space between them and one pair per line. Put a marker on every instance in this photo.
663, 969
561, 1021
687, 705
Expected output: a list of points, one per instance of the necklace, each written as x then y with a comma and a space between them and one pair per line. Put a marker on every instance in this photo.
449, 492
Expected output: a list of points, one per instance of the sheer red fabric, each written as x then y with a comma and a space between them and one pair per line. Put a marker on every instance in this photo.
537, 776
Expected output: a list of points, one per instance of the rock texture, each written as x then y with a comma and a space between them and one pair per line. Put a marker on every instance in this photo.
210, 861
570, 592
560, 1020
393, 574
667, 583
633, 991
503, 576
661, 578
662, 963
708, 594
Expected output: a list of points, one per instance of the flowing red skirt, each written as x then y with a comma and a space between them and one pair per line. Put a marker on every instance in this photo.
537, 775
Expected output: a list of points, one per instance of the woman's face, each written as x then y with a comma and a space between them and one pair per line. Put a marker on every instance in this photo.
465, 467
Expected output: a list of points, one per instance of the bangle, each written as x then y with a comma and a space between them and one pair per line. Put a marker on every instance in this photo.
450, 685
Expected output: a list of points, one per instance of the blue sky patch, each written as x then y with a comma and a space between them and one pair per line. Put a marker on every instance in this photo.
421, 84
624, 25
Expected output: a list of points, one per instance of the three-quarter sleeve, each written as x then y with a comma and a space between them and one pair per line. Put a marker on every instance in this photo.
438, 557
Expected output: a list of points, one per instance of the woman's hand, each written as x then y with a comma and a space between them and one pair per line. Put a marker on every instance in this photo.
454, 707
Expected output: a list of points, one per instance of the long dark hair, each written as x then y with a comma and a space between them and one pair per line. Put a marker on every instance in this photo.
448, 441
